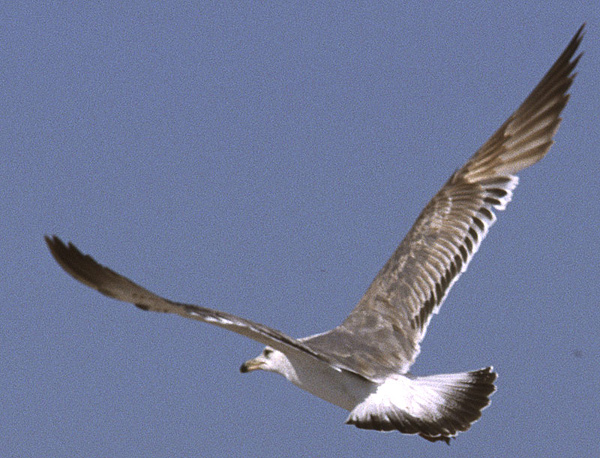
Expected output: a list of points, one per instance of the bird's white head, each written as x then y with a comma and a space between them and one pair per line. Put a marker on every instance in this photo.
270, 360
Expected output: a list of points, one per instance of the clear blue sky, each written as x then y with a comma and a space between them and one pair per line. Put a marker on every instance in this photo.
266, 160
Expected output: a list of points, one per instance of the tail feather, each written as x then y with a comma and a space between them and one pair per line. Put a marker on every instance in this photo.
465, 396
436, 407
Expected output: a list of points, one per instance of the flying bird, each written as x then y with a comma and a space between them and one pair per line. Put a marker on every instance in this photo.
363, 364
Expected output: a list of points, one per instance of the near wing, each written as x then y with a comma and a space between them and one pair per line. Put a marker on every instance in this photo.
391, 319
85, 269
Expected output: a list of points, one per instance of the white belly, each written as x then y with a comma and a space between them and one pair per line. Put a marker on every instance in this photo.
342, 388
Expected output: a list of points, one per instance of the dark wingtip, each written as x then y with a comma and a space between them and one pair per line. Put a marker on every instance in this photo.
66, 255
80, 266
51, 241
576, 40
57, 248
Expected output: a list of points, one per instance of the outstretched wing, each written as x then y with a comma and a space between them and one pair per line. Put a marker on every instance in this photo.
85, 269
391, 319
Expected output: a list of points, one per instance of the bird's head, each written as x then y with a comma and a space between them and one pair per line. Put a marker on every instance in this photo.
269, 360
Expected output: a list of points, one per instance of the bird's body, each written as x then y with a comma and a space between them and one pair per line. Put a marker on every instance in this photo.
342, 388
363, 364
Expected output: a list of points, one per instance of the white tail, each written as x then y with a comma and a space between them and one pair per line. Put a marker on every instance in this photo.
436, 407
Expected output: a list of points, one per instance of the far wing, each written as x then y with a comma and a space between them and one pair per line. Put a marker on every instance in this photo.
391, 319
85, 269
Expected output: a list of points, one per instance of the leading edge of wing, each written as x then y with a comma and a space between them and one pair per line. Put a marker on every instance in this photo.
85, 269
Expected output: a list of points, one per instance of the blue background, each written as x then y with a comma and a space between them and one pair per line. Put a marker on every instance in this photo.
266, 159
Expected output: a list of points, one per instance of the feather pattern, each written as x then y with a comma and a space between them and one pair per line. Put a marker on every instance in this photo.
392, 317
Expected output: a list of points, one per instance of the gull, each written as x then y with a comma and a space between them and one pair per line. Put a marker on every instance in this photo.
363, 364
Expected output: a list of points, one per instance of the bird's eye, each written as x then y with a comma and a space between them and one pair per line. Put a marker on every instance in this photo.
267, 351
